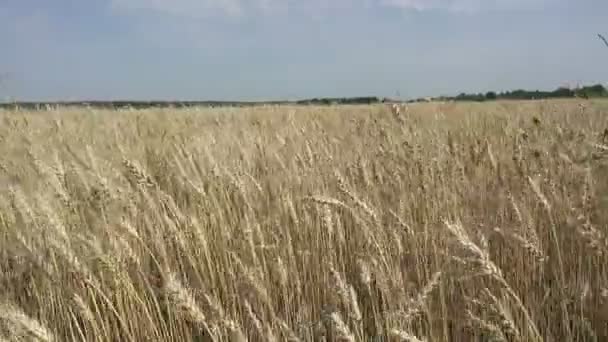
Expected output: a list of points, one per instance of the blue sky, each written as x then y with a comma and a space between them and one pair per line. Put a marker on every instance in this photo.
286, 49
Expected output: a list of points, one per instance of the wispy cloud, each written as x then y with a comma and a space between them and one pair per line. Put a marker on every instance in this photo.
467, 5
199, 8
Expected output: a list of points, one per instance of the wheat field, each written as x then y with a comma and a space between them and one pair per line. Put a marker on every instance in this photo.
447, 222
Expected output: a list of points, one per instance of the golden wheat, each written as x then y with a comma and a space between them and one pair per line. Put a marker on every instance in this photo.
436, 222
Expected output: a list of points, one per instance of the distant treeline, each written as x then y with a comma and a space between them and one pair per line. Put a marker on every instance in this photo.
594, 91
338, 100
181, 104
586, 92
132, 104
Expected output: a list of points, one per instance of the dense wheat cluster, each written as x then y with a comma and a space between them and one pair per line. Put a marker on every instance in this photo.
442, 222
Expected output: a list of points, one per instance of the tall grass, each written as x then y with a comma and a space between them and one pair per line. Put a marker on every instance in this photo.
445, 222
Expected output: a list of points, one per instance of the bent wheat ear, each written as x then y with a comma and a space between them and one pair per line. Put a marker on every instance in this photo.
21, 324
403, 336
182, 299
342, 331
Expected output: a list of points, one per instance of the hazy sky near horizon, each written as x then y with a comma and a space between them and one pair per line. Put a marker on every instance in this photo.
285, 49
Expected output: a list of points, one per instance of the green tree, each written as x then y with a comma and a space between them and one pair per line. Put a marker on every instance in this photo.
596, 90
562, 92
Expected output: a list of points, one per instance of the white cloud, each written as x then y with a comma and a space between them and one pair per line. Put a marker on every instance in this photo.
201, 8
422, 5
192, 8
465, 5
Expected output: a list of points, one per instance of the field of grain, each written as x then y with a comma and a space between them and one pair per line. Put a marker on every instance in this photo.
447, 222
